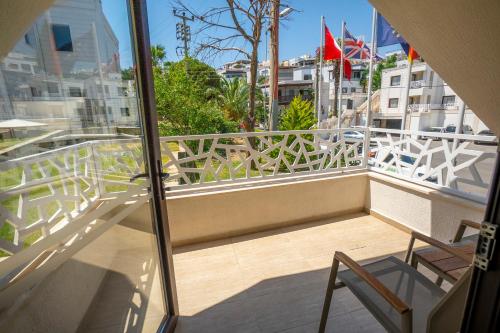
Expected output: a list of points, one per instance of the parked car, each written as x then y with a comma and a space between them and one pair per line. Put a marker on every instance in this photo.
353, 136
433, 130
486, 133
407, 162
466, 129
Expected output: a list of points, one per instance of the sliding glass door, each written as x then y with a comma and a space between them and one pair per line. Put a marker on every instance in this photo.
84, 242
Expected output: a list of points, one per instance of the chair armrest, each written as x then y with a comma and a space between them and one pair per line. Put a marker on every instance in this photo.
442, 246
461, 229
471, 224
382, 290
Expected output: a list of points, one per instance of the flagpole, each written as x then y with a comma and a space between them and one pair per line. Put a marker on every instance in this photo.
407, 94
373, 51
320, 76
341, 77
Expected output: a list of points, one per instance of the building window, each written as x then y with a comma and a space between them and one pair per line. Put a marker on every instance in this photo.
27, 39
395, 80
122, 91
393, 102
75, 92
110, 110
356, 75
349, 104
52, 88
125, 112
35, 92
13, 66
106, 90
449, 99
308, 76
62, 37
353, 90
344, 90
26, 67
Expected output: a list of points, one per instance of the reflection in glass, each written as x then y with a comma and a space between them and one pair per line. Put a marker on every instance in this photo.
77, 247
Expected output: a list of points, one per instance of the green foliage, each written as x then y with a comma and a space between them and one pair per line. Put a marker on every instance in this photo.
128, 74
233, 98
185, 101
298, 116
158, 54
389, 62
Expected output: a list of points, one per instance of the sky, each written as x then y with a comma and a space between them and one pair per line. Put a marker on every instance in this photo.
299, 34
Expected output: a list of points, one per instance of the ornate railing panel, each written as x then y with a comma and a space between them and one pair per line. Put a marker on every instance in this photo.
221, 159
39, 192
445, 161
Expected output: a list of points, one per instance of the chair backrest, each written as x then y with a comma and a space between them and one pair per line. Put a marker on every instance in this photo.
447, 315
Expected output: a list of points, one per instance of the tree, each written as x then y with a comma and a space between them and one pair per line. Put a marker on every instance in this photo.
233, 98
389, 62
298, 116
183, 105
128, 74
244, 22
158, 55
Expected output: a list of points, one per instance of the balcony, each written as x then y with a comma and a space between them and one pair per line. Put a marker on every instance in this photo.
417, 84
254, 220
287, 99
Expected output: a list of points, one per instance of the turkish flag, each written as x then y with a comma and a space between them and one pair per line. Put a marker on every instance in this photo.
332, 50
347, 69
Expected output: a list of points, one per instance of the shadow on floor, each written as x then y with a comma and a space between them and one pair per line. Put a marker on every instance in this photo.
291, 303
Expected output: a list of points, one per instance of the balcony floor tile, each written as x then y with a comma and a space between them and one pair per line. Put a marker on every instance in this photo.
275, 281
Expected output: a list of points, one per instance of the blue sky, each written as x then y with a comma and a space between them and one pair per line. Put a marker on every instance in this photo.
299, 34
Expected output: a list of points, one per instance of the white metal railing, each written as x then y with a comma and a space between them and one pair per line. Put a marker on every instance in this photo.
428, 107
54, 199
229, 158
449, 162
417, 84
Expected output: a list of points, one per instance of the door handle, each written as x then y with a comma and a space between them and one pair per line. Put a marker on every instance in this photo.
163, 176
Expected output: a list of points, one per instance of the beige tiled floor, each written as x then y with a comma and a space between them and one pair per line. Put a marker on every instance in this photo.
275, 281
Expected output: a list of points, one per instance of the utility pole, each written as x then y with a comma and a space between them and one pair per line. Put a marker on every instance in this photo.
183, 31
274, 65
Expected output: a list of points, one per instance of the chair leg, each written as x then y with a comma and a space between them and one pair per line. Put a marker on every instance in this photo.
439, 281
410, 249
414, 261
329, 295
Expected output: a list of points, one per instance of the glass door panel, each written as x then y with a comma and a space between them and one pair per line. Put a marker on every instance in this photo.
78, 247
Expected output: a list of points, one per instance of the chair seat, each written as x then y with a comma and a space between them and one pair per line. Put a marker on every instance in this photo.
444, 263
412, 287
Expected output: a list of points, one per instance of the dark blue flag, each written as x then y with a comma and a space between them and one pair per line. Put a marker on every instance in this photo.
386, 34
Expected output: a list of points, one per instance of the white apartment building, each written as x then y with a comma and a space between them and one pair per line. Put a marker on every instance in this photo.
431, 103
65, 72
297, 76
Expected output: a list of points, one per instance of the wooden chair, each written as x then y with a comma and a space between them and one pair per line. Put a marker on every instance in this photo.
448, 266
398, 296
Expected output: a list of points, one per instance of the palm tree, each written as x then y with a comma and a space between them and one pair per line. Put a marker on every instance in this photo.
158, 54
233, 98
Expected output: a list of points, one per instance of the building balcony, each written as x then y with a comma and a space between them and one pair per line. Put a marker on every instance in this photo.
254, 224
417, 84
430, 107
287, 99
